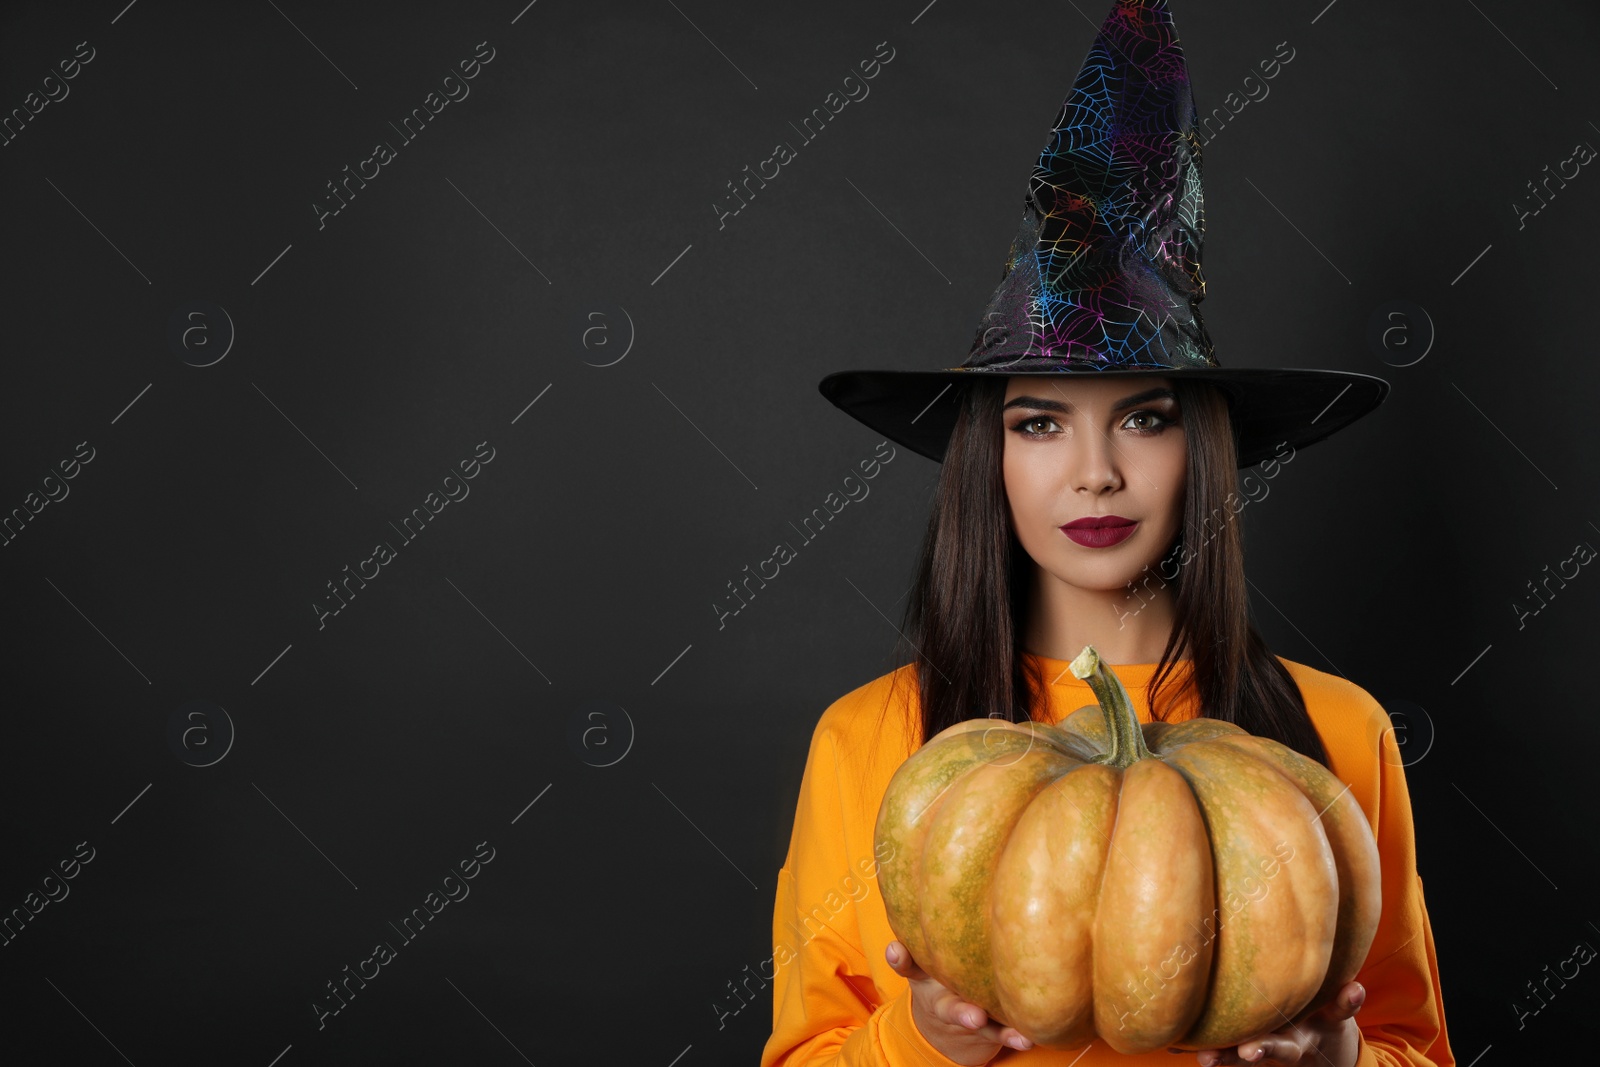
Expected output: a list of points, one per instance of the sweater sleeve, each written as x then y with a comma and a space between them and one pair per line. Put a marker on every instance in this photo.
1402, 1021
828, 1006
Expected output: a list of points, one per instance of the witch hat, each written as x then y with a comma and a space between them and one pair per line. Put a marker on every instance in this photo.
1104, 274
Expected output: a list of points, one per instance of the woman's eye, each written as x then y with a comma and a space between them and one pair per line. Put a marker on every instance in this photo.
1146, 423
1154, 424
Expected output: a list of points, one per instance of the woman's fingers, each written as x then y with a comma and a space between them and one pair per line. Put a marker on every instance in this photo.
952, 1009
1344, 1006
1012, 1039
949, 1008
1005, 1035
902, 963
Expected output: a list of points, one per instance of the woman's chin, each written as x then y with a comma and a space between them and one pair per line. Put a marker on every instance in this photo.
1106, 578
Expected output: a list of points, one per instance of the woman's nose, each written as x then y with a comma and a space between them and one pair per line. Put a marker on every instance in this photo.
1095, 463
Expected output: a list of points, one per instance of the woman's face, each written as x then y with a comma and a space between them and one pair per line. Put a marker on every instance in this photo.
1088, 445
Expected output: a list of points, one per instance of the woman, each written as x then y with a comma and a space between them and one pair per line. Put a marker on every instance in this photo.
1091, 396
1027, 456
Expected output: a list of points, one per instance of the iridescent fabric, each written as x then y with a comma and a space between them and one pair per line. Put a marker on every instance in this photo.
1104, 273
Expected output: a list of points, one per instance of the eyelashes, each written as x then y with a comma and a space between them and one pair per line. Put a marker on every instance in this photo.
1022, 427
1161, 423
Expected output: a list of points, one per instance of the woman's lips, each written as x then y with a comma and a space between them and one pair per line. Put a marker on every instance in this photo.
1103, 533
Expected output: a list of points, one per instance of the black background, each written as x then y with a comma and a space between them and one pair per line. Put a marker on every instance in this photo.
578, 178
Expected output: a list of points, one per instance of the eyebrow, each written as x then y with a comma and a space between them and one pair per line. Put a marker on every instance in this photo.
1056, 405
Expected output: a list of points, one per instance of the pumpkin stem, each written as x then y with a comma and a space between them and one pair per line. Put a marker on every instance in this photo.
1122, 722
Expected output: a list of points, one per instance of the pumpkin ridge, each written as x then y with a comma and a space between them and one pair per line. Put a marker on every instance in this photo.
1121, 780
1044, 987
1355, 858
1110, 839
1234, 787
956, 771
1048, 781
966, 839
1146, 932
1216, 894
901, 888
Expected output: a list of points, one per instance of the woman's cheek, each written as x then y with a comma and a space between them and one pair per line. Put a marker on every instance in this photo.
1029, 506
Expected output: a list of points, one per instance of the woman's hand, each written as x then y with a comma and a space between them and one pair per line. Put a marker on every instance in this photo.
958, 1029
1328, 1035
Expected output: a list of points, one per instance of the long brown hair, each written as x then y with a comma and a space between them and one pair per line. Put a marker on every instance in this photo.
964, 613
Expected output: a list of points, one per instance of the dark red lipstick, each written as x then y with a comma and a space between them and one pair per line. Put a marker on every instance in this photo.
1099, 531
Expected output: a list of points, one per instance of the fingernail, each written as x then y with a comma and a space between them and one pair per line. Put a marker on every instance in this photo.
1254, 1054
1360, 998
1020, 1043
892, 956
971, 1019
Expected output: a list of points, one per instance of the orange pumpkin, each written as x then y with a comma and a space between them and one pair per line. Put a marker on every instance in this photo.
1182, 885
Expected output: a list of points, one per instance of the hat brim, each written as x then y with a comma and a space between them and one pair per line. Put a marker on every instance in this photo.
1271, 407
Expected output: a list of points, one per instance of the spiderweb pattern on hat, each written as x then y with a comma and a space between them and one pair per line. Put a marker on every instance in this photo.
1104, 272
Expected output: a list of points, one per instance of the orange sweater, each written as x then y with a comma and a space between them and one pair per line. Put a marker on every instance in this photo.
837, 1002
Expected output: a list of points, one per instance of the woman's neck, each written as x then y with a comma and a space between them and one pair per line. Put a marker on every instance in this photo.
1125, 625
